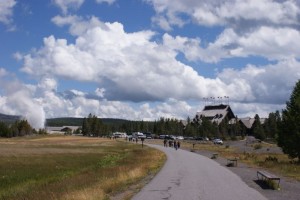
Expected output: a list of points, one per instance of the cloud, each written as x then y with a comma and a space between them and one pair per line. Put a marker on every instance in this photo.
133, 73
265, 28
262, 84
229, 13
133, 66
78, 25
271, 43
138, 74
3, 72
251, 109
145, 70
6, 11
65, 5
106, 1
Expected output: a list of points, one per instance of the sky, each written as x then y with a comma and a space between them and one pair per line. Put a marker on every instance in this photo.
146, 59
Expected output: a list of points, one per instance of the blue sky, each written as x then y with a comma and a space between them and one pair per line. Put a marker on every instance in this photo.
146, 59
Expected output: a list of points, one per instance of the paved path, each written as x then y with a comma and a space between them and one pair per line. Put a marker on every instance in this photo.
190, 176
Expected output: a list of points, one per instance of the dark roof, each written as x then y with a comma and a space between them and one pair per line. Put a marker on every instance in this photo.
248, 121
216, 113
215, 107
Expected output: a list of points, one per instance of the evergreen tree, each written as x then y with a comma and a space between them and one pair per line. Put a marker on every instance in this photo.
4, 130
24, 128
289, 129
190, 130
258, 130
271, 125
86, 130
223, 128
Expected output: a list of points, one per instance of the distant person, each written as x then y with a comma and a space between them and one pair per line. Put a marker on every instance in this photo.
170, 143
178, 144
165, 143
175, 145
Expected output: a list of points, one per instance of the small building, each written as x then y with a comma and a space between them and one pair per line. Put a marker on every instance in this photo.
61, 129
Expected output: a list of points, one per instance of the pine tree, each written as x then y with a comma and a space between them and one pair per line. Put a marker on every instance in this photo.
271, 124
86, 130
289, 129
4, 130
258, 130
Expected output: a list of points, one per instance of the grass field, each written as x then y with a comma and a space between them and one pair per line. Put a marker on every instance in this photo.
72, 167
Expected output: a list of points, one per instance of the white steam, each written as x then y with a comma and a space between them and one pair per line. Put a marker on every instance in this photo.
19, 100
23, 104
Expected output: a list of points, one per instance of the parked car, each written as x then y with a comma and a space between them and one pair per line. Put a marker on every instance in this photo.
162, 136
179, 138
170, 137
218, 141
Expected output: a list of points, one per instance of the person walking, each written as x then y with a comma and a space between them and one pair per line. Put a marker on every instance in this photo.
170, 143
175, 145
165, 143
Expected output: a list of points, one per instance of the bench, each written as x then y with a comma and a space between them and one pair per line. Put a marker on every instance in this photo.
266, 176
232, 162
215, 156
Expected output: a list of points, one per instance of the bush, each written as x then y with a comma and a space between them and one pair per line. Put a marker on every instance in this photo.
249, 156
271, 159
257, 146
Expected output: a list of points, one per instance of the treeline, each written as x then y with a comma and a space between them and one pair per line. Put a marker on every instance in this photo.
73, 121
234, 128
267, 129
18, 128
94, 126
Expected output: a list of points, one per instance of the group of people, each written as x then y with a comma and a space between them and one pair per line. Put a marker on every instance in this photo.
172, 143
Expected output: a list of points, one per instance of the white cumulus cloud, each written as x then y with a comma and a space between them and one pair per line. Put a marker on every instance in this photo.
106, 1
65, 5
6, 11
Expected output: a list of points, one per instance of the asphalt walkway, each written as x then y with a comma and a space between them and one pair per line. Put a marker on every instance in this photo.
190, 176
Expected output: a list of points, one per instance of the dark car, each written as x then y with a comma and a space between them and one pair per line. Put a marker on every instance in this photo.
148, 135
169, 137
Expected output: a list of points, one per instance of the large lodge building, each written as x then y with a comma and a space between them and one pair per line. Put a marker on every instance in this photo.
218, 113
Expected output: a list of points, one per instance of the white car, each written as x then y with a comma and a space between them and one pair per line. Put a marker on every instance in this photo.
218, 141
179, 138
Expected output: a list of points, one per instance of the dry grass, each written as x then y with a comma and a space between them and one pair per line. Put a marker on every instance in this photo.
72, 167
